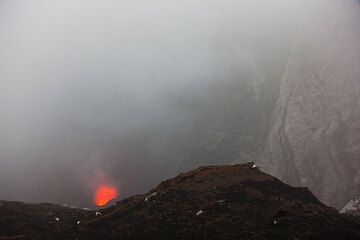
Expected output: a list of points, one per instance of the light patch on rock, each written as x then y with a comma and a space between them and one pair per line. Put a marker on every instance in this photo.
199, 212
149, 196
353, 207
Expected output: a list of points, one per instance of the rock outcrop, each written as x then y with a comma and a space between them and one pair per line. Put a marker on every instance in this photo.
222, 202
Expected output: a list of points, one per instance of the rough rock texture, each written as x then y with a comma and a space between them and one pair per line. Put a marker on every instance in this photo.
37, 220
315, 138
223, 202
352, 208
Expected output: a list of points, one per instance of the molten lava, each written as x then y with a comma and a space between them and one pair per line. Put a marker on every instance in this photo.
104, 194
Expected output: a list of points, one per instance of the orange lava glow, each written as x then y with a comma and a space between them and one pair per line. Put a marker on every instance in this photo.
104, 194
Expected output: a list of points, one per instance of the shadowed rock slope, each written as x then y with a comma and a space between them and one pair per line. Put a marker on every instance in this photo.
222, 202
38, 220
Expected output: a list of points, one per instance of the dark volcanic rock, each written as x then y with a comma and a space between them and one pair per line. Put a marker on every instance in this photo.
37, 220
222, 202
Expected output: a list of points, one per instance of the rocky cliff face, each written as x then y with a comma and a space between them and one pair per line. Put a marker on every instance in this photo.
315, 138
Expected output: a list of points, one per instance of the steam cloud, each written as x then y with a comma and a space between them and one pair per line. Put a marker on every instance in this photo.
78, 79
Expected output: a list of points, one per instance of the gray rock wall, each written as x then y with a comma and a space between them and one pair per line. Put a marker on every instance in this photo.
315, 137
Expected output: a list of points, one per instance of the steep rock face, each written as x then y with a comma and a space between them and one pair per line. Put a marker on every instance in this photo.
315, 138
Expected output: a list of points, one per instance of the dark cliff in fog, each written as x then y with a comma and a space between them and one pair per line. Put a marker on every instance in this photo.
303, 111
315, 137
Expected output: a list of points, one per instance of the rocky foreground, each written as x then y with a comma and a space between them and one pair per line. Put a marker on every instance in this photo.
222, 202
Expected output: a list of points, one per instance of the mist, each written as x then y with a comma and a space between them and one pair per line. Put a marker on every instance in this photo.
115, 86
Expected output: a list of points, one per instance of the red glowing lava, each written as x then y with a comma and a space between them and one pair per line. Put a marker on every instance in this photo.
104, 193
